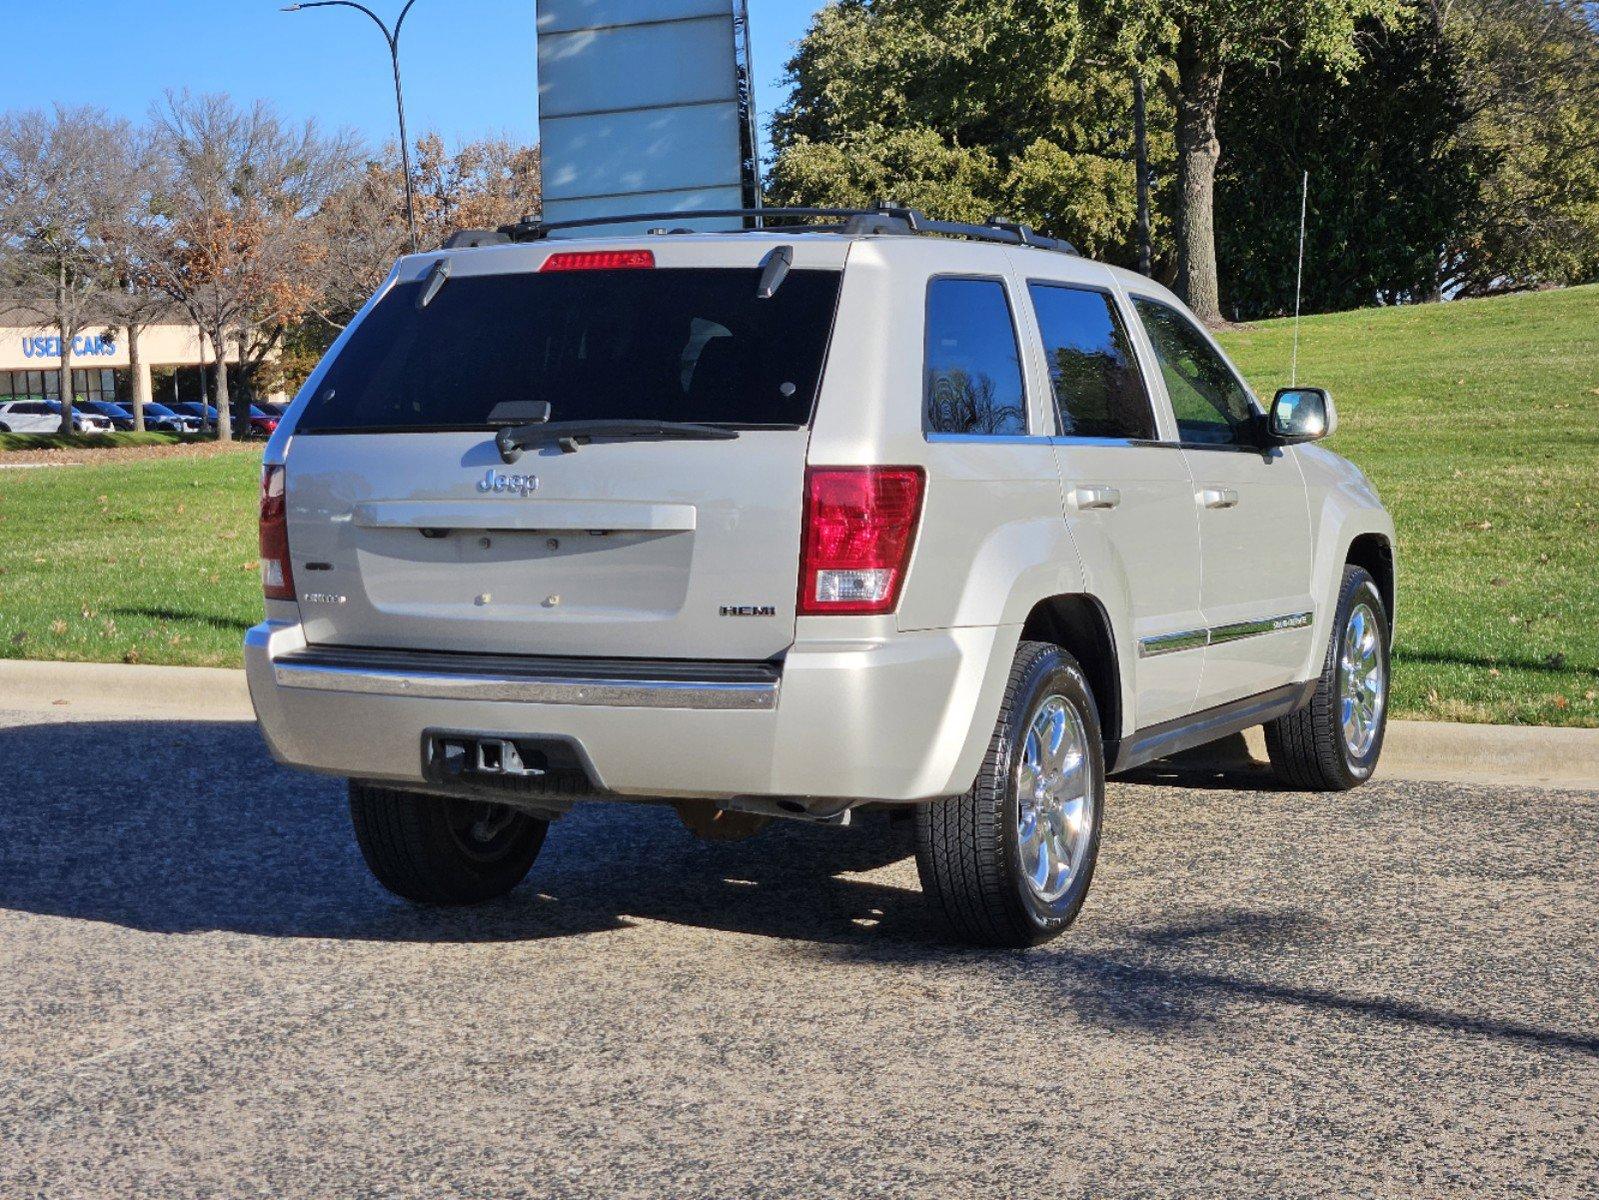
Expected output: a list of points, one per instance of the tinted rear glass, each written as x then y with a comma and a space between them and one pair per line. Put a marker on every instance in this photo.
662, 345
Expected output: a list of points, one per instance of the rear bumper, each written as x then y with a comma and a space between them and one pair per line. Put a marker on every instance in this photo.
902, 719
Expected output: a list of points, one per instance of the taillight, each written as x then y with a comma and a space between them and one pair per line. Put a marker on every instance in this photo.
277, 580
860, 523
600, 260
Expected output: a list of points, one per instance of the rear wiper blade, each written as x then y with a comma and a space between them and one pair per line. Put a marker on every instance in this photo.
568, 435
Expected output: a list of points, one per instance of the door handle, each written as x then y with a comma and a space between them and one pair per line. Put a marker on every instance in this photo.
1095, 495
1219, 497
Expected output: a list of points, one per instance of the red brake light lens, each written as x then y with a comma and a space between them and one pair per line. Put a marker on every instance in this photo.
277, 580
860, 524
600, 260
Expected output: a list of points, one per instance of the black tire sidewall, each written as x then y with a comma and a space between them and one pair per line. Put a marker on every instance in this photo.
1053, 672
410, 847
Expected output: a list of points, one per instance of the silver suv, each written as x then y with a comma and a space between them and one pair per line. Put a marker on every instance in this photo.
877, 513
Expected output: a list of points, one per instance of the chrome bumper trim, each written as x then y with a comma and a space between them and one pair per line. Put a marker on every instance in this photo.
528, 688
1193, 639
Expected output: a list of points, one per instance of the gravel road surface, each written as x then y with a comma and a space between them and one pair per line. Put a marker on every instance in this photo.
1393, 992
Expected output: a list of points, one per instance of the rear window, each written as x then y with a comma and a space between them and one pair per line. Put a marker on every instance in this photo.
662, 345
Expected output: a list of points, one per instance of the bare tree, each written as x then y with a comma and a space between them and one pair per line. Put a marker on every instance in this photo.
70, 180
136, 303
235, 245
479, 185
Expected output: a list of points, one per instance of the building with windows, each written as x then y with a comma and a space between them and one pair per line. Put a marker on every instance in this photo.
172, 353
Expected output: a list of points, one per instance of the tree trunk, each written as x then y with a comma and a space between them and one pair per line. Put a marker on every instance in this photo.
220, 396
1146, 246
64, 330
64, 381
246, 397
137, 379
1199, 82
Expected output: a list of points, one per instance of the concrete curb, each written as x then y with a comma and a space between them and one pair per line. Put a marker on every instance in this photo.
128, 692
1534, 755
1429, 750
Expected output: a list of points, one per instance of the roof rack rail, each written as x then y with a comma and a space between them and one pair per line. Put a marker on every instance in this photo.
884, 218
465, 239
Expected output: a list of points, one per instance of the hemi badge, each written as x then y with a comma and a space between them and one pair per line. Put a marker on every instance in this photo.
749, 610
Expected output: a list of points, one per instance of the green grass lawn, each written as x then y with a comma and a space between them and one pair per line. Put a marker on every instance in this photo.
1478, 421
150, 561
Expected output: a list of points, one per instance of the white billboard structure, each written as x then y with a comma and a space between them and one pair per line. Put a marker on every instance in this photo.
646, 106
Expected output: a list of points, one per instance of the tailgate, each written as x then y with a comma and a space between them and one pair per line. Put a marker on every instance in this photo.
667, 549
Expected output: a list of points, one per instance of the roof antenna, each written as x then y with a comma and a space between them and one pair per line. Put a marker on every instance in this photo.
1299, 278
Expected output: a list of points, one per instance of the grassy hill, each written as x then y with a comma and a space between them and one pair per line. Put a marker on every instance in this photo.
1479, 422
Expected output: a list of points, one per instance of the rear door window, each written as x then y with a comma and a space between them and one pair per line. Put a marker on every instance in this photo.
661, 345
1099, 391
972, 369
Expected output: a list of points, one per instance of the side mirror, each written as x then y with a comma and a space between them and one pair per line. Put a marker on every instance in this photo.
1301, 415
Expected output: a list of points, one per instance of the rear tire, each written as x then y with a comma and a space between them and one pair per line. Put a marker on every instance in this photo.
1332, 744
434, 850
1010, 862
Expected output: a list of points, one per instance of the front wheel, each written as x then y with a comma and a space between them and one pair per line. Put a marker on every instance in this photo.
433, 850
1332, 744
1009, 863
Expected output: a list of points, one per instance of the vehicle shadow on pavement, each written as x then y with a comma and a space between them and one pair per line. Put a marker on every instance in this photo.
175, 827
1226, 765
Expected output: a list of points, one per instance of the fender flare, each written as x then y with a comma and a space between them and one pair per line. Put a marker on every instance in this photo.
1338, 525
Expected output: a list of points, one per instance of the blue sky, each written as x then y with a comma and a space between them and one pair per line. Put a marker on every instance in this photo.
468, 64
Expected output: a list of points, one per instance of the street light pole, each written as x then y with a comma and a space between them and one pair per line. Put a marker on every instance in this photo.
393, 39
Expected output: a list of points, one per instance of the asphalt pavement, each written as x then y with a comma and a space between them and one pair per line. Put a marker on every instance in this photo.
1392, 992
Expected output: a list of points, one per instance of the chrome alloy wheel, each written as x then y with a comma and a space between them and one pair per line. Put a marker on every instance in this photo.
1054, 799
1362, 681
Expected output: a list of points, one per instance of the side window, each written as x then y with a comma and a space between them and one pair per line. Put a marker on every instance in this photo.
972, 374
1099, 392
1209, 403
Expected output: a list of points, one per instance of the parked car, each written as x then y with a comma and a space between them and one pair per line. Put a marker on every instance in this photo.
44, 416
159, 416
121, 418
28, 416
262, 423
793, 523
204, 415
